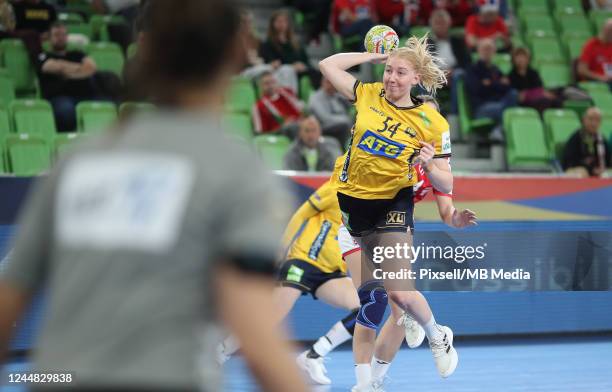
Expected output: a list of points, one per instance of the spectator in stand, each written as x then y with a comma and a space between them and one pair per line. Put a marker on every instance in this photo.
353, 18
65, 78
120, 33
527, 82
595, 62
282, 46
450, 49
331, 109
489, 90
393, 13
601, 5
35, 15
308, 152
286, 74
319, 21
586, 152
278, 109
487, 24
459, 9
31, 38
7, 17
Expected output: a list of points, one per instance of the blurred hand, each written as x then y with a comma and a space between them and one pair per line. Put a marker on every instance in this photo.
299, 66
505, 80
464, 218
486, 82
426, 154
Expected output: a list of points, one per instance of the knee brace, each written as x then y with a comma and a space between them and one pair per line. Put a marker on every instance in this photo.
373, 299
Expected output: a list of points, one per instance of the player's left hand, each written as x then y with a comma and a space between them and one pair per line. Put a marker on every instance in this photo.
464, 218
426, 154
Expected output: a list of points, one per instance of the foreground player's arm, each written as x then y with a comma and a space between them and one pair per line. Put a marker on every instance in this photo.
451, 216
438, 170
334, 68
245, 305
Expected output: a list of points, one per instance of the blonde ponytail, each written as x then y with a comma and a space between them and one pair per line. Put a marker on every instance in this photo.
426, 65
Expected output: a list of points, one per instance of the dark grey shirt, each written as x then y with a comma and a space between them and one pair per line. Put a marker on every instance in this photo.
126, 235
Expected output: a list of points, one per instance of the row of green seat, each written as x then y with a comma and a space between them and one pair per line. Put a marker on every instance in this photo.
533, 143
95, 29
243, 94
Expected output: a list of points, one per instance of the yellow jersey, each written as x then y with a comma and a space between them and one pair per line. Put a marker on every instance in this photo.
312, 233
385, 142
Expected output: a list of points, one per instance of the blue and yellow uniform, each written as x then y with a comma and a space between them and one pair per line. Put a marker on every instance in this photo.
311, 242
375, 180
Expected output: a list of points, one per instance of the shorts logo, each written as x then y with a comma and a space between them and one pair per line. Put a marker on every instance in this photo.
446, 143
345, 219
396, 218
379, 145
295, 274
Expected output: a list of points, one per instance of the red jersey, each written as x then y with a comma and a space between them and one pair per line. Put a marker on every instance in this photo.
423, 186
361, 9
269, 113
597, 56
480, 30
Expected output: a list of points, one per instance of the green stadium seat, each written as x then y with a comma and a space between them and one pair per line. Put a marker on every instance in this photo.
574, 46
7, 89
533, 6
95, 116
578, 106
560, 124
468, 124
378, 71
241, 97
81, 29
70, 18
547, 50
239, 125
127, 109
305, 88
503, 62
5, 123
79, 6
554, 75
63, 143
567, 4
27, 155
590, 86
108, 57
527, 147
100, 23
602, 99
419, 31
457, 31
16, 60
532, 22
606, 126
272, 149
34, 117
598, 18
578, 22
344, 44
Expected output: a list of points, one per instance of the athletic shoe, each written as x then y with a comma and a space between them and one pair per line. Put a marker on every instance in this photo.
362, 388
378, 385
415, 334
314, 367
444, 353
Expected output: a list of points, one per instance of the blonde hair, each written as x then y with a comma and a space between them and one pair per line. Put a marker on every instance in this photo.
426, 65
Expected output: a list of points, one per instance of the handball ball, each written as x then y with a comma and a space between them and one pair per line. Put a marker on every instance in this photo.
381, 39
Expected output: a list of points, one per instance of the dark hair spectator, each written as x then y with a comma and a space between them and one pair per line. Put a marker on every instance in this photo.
586, 152
317, 14
489, 90
282, 46
34, 15
65, 78
7, 16
278, 109
527, 82
450, 49
308, 152
595, 62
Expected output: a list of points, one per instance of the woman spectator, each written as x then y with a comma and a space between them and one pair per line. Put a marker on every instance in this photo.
283, 47
527, 81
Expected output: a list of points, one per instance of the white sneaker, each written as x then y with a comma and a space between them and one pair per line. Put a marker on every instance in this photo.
378, 385
445, 355
362, 388
314, 367
415, 334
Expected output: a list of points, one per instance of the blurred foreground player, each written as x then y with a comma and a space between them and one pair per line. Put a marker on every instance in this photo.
151, 233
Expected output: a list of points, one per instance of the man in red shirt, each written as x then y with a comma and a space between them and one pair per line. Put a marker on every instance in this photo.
487, 24
595, 62
353, 18
278, 109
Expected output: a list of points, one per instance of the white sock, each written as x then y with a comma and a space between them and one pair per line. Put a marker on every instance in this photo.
332, 339
363, 373
379, 368
230, 345
432, 330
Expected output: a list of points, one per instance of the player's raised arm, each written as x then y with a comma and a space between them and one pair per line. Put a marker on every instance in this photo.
334, 68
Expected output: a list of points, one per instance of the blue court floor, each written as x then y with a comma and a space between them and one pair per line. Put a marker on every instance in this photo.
526, 366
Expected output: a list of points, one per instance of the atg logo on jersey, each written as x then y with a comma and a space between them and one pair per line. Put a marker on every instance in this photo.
379, 145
